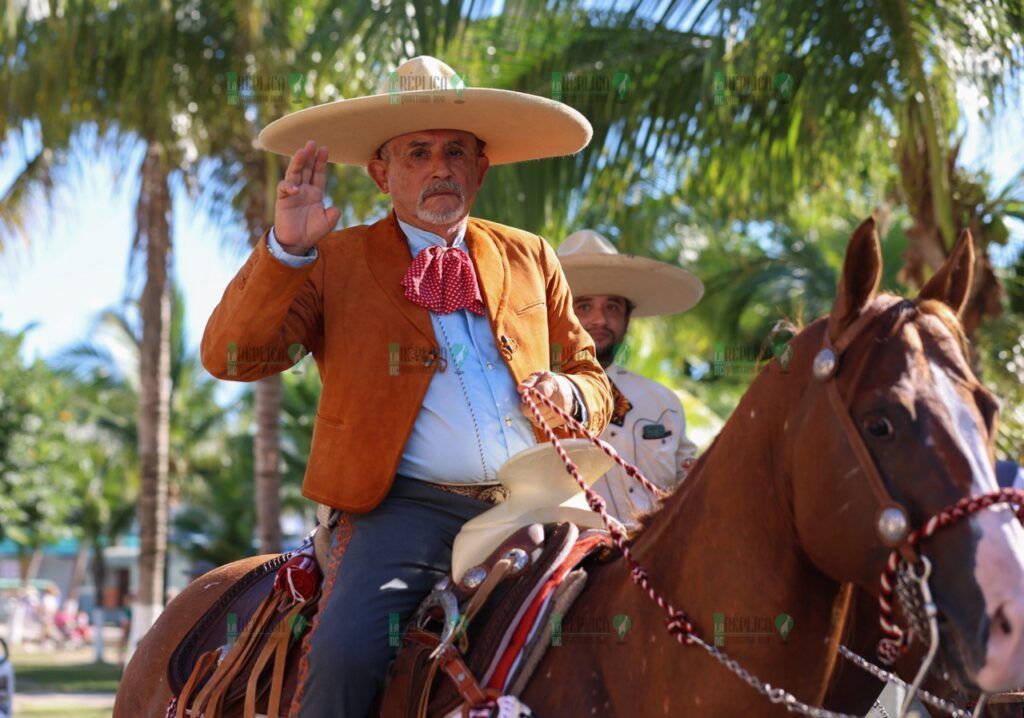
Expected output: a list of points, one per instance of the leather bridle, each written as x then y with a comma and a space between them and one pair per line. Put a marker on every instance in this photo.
892, 518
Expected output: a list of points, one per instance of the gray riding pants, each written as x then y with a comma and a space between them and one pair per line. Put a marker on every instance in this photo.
387, 561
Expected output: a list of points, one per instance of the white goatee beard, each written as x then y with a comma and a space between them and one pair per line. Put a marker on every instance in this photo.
440, 217
444, 217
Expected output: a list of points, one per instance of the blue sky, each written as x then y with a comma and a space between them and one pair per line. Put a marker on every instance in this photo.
76, 265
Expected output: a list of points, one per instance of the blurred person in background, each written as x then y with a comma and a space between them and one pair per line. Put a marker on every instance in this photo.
648, 424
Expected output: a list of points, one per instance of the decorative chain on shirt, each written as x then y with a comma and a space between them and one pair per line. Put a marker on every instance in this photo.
472, 414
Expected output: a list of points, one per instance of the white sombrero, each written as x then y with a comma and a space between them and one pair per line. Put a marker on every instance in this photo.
592, 265
426, 94
540, 491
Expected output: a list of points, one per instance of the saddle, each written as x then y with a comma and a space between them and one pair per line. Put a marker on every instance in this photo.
487, 632
219, 670
461, 630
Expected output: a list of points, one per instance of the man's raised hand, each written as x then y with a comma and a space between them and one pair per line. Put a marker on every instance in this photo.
300, 218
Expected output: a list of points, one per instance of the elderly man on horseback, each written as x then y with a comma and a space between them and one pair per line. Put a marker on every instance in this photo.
426, 326
648, 424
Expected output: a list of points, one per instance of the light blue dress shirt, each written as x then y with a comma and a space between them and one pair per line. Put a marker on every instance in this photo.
470, 422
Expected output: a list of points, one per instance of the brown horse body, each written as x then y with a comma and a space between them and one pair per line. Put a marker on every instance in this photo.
772, 520
753, 568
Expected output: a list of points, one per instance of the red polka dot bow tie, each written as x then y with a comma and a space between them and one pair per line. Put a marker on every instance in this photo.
442, 279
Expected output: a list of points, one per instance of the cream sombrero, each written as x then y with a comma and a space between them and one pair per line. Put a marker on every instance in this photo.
592, 265
426, 94
541, 491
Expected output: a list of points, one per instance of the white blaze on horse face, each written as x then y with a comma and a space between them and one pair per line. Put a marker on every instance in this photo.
999, 560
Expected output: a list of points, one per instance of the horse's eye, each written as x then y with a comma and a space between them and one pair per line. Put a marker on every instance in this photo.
879, 427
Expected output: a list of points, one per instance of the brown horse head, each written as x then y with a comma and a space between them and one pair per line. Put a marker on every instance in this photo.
904, 380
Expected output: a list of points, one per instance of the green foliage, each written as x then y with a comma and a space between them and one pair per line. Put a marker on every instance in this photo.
37, 448
107, 482
217, 522
758, 192
299, 402
1001, 348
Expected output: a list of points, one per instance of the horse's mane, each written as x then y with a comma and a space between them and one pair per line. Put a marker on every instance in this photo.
942, 312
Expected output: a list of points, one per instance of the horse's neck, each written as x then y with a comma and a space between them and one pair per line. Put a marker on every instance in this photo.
725, 542
731, 505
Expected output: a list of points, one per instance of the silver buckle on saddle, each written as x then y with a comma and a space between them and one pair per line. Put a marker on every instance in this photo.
440, 596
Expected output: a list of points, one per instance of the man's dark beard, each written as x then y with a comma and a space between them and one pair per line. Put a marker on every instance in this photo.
607, 356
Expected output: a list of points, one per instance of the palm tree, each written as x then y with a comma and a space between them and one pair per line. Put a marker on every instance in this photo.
240, 183
110, 362
154, 235
106, 484
877, 73
664, 154
217, 523
227, 130
858, 110
126, 73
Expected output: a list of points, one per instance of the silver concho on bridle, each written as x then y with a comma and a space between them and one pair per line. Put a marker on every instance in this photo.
892, 525
825, 364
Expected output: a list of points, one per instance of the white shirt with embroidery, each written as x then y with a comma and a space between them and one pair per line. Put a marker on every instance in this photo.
652, 435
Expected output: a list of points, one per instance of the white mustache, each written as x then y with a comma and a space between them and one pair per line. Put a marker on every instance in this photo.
442, 186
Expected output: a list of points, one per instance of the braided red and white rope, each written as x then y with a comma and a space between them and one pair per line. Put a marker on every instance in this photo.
631, 470
895, 641
677, 623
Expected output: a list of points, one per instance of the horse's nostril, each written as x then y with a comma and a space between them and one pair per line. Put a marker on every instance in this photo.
1001, 622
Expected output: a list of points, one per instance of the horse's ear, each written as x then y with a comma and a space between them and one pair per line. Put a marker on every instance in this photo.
951, 285
862, 273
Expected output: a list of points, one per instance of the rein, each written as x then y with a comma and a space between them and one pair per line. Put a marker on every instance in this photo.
893, 529
676, 623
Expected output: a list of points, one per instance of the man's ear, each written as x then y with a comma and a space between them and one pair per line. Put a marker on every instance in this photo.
483, 163
378, 171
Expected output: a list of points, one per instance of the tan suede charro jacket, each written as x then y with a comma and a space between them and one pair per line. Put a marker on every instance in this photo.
376, 350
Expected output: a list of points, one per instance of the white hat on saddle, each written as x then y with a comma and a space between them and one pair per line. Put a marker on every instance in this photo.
593, 265
426, 94
541, 491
